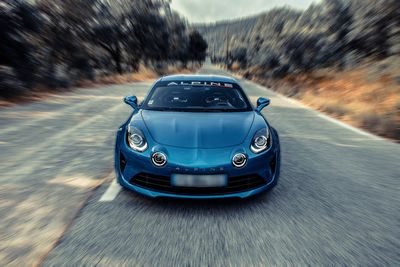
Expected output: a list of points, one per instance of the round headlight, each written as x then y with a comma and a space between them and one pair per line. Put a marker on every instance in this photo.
261, 141
159, 159
136, 139
239, 160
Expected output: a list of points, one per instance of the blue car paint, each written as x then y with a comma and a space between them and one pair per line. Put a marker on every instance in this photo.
195, 130
192, 152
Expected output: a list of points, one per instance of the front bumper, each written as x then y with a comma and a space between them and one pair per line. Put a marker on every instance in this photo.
130, 164
153, 193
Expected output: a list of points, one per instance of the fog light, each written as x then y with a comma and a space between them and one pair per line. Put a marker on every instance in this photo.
159, 159
239, 160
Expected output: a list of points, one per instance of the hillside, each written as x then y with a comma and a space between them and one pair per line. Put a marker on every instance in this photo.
215, 34
336, 48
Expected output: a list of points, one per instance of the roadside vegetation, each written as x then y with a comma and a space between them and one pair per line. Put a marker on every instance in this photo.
342, 57
51, 44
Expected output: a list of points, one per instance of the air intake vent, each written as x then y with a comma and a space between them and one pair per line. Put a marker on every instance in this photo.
163, 184
122, 162
272, 164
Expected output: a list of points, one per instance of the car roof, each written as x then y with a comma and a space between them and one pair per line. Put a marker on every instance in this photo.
200, 78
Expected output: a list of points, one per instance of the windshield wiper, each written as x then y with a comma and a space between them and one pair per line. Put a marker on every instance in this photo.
217, 110
193, 109
161, 109
169, 109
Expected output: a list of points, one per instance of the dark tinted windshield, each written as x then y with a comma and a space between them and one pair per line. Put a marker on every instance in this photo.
199, 98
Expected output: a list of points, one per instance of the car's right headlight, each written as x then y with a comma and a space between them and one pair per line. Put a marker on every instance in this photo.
261, 140
136, 139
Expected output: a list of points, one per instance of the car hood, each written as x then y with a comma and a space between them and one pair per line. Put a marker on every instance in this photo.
198, 129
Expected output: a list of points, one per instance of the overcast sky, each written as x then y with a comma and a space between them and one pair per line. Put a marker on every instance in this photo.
213, 10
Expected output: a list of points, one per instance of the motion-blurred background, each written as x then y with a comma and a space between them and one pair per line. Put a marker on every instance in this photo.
62, 43
340, 56
65, 66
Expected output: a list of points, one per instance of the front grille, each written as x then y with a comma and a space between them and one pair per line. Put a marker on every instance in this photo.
163, 184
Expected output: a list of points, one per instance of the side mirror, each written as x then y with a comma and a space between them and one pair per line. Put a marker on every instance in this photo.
262, 103
132, 101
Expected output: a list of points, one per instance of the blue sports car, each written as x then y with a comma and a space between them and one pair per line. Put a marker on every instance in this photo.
197, 137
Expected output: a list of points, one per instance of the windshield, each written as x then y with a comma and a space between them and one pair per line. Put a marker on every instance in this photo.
206, 97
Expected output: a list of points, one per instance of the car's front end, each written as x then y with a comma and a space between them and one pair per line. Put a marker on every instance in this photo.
196, 154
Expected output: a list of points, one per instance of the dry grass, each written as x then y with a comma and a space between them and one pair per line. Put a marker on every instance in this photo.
144, 74
352, 96
372, 103
235, 66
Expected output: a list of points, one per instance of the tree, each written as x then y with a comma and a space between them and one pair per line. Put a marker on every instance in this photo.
18, 20
197, 46
239, 55
60, 42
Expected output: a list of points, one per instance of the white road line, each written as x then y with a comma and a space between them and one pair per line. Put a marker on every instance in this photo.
111, 192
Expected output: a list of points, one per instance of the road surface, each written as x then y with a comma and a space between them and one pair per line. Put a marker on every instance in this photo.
337, 201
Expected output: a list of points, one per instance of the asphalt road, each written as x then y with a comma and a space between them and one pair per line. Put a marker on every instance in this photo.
337, 201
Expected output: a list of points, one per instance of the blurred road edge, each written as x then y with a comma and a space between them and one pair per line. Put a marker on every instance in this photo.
83, 204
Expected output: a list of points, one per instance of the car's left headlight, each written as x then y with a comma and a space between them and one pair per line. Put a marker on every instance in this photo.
261, 140
136, 139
